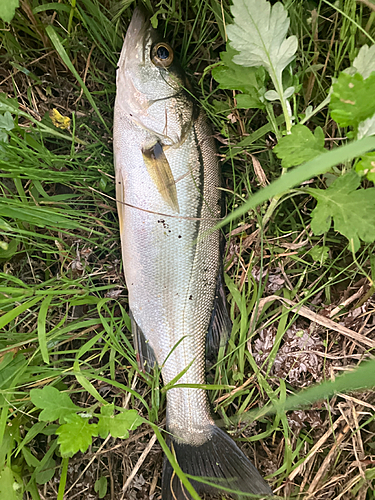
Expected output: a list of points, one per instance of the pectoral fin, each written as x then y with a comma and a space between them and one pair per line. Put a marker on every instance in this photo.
161, 174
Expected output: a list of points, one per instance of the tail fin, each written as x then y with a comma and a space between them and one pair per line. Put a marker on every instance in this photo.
220, 461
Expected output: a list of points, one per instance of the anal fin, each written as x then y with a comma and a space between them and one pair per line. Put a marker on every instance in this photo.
145, 354
221, 325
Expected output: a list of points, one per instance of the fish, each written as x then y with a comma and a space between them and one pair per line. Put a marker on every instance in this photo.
169, 202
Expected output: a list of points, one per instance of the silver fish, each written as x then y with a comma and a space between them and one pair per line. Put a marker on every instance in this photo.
167, 180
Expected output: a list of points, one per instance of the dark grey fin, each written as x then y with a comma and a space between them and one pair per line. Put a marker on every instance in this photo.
221, 325
219, 461
145, 354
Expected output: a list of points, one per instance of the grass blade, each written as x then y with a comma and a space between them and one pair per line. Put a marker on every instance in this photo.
64, 56
42, 316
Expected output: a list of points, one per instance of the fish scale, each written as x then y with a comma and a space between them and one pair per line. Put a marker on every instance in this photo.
168, 198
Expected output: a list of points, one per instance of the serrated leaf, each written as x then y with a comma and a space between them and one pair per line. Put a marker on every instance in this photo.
123, 422
106, 413
8, 9
364, 63
232, 76
300, 145
366, 166
350, 100
56, 405
76, 435
352, 210
259, 35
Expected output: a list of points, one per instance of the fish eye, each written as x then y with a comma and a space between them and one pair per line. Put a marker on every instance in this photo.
162, 55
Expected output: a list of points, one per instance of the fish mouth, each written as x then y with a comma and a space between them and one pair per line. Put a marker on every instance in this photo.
137, 35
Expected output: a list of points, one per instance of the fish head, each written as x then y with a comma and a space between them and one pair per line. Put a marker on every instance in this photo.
152, 89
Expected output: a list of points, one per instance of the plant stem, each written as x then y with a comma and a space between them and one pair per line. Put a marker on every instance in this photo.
64, 474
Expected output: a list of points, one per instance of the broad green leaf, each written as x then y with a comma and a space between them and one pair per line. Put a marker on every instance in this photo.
8, 9
319, 254
10, 488
235, 77
317, 166
106, 414
300, 145
350, 100
259, 35
100, 486
56, 405
364, 63
248, 101
123, 422
117, 425
352, 210
45, 473
366, 166
6, 121
76, 435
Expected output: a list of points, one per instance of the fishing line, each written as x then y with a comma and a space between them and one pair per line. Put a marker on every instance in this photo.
213, 219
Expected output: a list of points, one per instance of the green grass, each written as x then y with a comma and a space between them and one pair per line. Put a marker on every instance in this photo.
63, 300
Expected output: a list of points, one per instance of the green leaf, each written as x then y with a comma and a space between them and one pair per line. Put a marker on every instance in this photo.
123, 422
352, 210
106, 414
10, 489
364, 63
235, 77
300, 145
101, 486
319, 254
56, 405
42, 337
259, 35
366, 166
76, 435
350, 100
14, 313
8, 9
247, 101
317, 166
117, 425
45, 473
6, 122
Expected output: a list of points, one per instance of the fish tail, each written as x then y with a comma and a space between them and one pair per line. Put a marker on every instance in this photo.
219, 461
